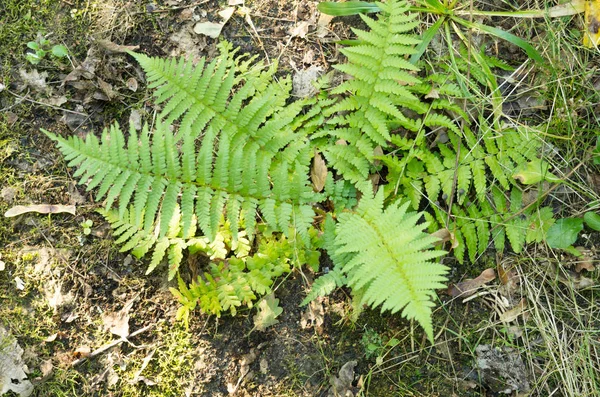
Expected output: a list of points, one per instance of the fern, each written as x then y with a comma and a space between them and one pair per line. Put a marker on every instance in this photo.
246, 144
391, 259
379, 89
224, 174
231, 282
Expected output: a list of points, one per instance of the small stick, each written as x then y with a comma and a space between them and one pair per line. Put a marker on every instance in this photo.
104, 348
23, 98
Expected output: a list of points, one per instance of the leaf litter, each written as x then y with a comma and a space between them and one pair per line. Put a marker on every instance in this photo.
13, 377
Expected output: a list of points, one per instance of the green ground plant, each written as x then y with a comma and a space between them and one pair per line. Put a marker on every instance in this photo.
42, 47
224, 172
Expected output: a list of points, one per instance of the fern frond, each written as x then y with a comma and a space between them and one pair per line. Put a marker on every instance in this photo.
240, 166
391, 258
325, 285
380, 89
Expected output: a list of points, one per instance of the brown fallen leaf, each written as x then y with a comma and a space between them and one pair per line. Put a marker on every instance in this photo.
314, 316
445, 235
323, 25
106, 89
470, 286
300, 30
514, 313
46, 368
40, 208
132, 84
341, 385
82, 351
113, 47
585, 261
118, 322
318, 172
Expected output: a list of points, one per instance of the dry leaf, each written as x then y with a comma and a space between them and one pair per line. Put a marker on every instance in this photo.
40, 208
318, 172
118, 322
341, 385
35, 80
106, 89
314, 316
51, 338
212, 29
113, 47
19, 283
433, 94
268, 311
585, 261
300, 30
82, 351
469, 287
323, 25
209, 29
87, 69
135, 119
12, 376
512, 314
446, 235
226, 13
591, 38
132, 84
46, 368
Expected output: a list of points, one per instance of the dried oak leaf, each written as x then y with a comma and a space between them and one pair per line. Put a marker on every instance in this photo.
268, 311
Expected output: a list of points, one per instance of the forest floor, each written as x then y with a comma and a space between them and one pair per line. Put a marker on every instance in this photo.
67, 295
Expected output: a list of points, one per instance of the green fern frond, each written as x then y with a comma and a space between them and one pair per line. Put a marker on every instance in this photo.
246, 143
379, 88
325, 285
391, 258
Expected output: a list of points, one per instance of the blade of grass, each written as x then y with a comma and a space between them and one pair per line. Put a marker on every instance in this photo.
428, 35
504, 35
347, 8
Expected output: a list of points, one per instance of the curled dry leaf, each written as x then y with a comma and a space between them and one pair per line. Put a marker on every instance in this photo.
40, 208
318, 172
469, 287
341, 385
314, 316
445, 235
132, 84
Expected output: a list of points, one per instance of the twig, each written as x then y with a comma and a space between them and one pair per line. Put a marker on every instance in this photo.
45, 104
112, 344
